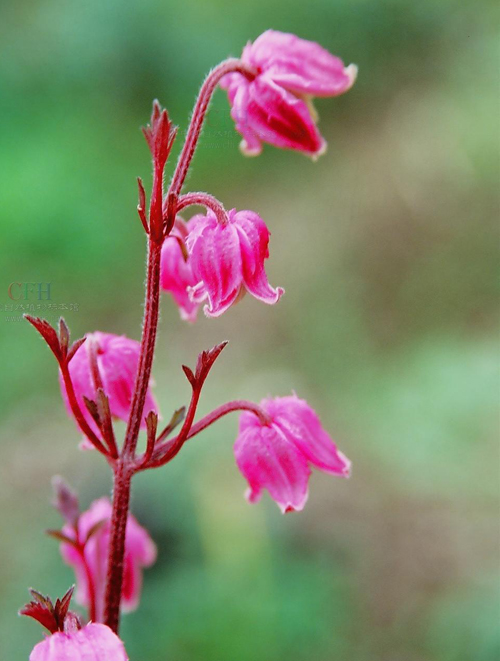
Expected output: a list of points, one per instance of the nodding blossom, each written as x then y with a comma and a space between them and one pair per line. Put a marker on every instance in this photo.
277, 456
117, 358
91, 569
227, 260
275, 105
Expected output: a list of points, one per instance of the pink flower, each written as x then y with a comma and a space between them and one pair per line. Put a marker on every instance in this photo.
95, 642
176, 272
275, 106
228, 259
117, 360
277, 456
140, 551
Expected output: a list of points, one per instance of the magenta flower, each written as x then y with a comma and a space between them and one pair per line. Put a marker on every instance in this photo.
94, 642
277, 456
176, 272
228, 259
275, 106
117, 358
90, 570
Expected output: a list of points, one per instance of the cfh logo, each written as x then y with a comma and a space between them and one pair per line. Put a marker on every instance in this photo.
29, 290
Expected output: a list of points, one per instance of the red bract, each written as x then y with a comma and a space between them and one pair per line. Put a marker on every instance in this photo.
274, 106
276, 456
91, 567
228, 259
117, 358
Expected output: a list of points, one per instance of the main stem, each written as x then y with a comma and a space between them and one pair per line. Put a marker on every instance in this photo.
119, 517
151, 313
123, 469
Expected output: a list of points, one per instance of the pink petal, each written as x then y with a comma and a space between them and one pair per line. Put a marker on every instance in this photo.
95, 642
216, 261
302, 427
254, 240
301, 66
176, 272
239, 96
268, 461
278, 117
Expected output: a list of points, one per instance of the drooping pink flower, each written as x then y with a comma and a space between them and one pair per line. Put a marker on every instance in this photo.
90, 571
277, 456
94, 642
275, 107
176, 272
117, 360
228, 259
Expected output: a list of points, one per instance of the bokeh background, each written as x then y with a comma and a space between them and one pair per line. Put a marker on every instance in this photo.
388, 250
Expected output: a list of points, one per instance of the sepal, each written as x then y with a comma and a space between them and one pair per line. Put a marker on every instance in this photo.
49, 615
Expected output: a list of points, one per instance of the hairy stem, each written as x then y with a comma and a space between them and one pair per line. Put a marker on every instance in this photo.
166, 451
77, 412
119, 517
205, 200
201, 106
151, 313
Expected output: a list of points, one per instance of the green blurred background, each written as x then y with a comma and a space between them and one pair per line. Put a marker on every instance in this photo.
388, 250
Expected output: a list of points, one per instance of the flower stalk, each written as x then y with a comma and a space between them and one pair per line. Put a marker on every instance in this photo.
214, 258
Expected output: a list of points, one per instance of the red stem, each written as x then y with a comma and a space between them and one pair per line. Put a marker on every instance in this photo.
77, 412
205, 200
106, 423
90, 583
201, 106
166, 451
124, 470
119, 517
126, 465
151, 313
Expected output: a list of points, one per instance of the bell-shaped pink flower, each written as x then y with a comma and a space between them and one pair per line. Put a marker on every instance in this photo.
117, 359
91, 569
275, 106
176, 272
228, 259
94, 642
277, 456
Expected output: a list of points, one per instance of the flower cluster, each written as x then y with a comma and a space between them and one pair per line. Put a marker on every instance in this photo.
212, 259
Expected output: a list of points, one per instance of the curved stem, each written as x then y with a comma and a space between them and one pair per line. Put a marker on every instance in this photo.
207, 89
163, 453
178, 441
106, 423
205, 200
77, 412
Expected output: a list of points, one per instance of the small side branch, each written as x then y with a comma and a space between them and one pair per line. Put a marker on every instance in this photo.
166, 451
